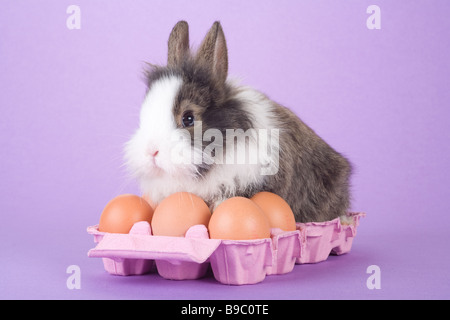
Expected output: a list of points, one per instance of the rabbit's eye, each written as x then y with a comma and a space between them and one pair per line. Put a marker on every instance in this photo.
187, 119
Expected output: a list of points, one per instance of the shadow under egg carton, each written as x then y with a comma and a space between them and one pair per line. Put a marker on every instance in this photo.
234, 262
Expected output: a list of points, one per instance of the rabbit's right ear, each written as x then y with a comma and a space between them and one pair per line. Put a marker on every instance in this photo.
178, 44
213, 52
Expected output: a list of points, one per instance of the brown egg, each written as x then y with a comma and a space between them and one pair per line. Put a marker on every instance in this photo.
238, 218
178, 212
122, 212
277, 210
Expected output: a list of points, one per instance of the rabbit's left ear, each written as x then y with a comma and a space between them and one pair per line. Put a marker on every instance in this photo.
178, 44
213, 52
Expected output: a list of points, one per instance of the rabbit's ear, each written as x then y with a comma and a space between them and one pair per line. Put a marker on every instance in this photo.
213, 52
178, 44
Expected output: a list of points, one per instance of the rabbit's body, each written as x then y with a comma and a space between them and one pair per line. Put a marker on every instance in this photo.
192, 96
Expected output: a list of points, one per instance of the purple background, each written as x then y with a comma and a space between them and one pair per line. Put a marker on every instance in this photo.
70, 100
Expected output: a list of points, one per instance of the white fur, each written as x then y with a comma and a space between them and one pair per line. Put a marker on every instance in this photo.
162, 178
156, 127
258, 105
261, 109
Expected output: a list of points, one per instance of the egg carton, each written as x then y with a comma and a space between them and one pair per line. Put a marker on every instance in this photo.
233, 262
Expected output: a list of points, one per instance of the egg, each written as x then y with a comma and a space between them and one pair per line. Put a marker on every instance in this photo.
178, 212
238, 218
122, 212
276, 209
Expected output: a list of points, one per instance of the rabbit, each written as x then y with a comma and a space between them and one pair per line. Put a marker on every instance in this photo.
193, 100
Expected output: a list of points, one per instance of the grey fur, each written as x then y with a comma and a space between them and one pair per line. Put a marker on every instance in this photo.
313, 178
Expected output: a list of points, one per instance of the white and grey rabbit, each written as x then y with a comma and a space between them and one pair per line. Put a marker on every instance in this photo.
193, 93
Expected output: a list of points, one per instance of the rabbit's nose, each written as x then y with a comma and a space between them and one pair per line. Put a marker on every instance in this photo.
152, 152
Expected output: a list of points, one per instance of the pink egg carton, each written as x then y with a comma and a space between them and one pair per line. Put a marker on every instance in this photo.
233, 262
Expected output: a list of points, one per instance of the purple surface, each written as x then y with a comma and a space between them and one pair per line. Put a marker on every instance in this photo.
70, 99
